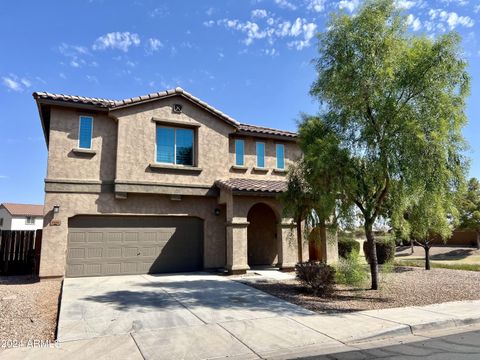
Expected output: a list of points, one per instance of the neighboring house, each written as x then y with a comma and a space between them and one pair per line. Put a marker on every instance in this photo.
21, 216
161, 183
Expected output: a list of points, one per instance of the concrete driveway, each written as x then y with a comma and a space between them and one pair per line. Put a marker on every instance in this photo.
173, 314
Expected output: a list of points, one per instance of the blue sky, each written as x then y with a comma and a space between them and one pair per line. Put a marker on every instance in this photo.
250, 59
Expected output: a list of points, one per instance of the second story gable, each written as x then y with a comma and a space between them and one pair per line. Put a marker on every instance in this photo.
168, 138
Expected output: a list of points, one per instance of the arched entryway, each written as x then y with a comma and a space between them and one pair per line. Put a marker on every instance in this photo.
262, 236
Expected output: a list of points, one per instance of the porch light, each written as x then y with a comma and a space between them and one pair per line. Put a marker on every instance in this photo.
56, 209
216, 211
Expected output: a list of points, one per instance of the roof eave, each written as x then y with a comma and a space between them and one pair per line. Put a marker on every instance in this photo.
266, 136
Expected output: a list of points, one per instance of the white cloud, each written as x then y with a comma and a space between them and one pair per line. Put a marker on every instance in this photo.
285, 4
349, 5
455, 2
92, 79
405, 4
300, 30
476, 9
414, 22
259, 13
452, 19
62, 75
154, 44
117, 40
209, 23
210, 11
77, 55
15, 83
316, 5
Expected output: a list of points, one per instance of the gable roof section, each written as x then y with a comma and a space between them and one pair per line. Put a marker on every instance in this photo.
45, 98
23, 209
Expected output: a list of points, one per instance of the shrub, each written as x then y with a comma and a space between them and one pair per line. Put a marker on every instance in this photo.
316, 275
347, 246
385, 250
350, 271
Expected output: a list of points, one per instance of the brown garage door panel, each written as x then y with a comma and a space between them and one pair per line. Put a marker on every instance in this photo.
106, 245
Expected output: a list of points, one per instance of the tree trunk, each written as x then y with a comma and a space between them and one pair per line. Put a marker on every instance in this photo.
411, 246
427, 257
478, 239
299, 241
373, 255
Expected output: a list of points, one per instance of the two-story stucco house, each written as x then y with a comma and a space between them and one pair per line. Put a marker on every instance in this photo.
161, 183
21, 216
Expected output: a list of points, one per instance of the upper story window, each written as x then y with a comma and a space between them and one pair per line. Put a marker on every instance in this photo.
260, 154
239, 152
29, 220
85, 132
174, 146
280, 153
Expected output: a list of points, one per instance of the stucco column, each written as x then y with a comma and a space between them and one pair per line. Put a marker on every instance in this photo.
237, 261
287, 245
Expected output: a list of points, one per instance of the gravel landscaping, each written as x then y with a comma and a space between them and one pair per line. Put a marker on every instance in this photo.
28, 309
405, 286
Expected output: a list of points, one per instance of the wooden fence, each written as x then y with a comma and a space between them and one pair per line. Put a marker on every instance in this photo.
20, 252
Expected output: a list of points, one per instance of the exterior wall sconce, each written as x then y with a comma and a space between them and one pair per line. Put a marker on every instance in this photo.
56, 209
216, 211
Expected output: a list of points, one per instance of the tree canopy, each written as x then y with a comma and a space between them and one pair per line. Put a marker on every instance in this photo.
392, 110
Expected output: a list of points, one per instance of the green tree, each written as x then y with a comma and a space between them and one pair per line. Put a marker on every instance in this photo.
430, 217
469, 208
298, 201
393, 106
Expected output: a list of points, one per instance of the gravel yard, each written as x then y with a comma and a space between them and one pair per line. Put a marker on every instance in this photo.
405, 286
28, 310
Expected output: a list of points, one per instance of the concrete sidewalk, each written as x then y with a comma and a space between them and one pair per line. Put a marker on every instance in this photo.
271, 328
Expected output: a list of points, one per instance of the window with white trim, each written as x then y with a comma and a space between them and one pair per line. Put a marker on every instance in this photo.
29, 220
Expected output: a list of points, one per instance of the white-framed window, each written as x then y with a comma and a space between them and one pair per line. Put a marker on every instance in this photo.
30, 220
260, 147
280, 153
175, 146
85, 132
239, 152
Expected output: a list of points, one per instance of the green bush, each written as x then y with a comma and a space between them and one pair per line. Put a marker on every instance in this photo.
316, 275
385, 250
347, 246
350, 271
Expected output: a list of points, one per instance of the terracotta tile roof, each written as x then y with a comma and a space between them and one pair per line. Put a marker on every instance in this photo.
266, 130
23, 209
272, 186
116, 104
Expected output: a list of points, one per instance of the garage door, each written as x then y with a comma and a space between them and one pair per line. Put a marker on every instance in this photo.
120, 245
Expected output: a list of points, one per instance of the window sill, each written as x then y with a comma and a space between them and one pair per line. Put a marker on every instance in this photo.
84, 151
239, 167
260, 169
280, 171
175, 167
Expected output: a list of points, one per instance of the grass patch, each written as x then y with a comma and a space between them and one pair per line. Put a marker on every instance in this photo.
421, 263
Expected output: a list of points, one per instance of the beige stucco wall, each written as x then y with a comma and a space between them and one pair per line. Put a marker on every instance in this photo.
124, 145
63, 163
54, 244
292, 153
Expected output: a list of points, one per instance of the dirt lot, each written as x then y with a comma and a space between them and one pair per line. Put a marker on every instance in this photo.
405, 286
28, 310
